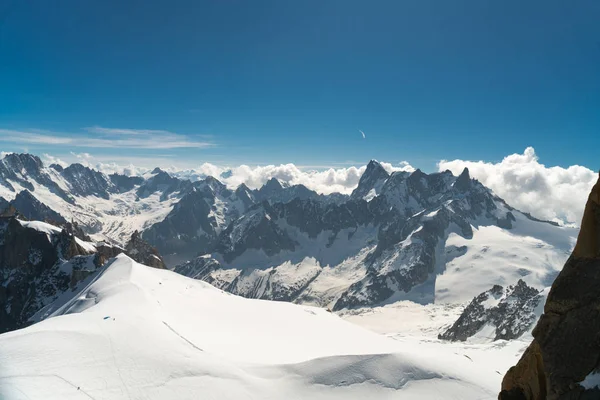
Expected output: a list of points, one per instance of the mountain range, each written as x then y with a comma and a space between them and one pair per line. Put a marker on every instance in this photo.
429, 238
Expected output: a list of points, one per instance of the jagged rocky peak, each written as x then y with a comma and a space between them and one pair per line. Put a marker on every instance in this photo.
164, 183
25, 169
272, 186
142, 252
23, 162
157, 170
211, 184
463, 182
565, 352
243, 188
85, 181
57, 167
246, 195
371, 181
124, 183
509, 312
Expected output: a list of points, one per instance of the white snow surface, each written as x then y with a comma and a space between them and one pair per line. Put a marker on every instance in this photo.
532, 251
142, 333
114, 219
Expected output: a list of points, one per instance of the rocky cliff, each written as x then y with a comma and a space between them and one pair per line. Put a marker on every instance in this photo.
564, 356
507, 312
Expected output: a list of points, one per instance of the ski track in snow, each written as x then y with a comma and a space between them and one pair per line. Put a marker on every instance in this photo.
181, 336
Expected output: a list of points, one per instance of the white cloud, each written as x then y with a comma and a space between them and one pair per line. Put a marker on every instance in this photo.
48, 160
553, 193
362, 133
121, 131
342, 180
106, 138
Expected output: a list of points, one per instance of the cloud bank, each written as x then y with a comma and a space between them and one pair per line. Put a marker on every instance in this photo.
552, 193
342, 180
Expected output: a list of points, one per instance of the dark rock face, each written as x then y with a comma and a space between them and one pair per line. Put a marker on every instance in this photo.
274, 192
371, 180
259, 231
566, 346
511, 311
57, 167
142, 252
188, 227
74, 229
33, 270
164, 183
87, 182
33, 209
123, 183
194, 224
3, 204
268, 286
245, 195
199, 268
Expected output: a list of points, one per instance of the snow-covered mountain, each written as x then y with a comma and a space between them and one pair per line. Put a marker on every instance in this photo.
499, 313
426, 238
423, 237
138, 332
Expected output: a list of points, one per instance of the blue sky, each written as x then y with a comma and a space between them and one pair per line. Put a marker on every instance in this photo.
263, 82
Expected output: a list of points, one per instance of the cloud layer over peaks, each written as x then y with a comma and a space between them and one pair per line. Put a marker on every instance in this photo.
553, 193
342, 180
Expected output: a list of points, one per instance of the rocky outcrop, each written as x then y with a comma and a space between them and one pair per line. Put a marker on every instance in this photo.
510, 311
39, 263
566, 345
142, 252
34, 269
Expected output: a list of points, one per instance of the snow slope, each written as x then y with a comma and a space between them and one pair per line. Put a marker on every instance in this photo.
417, 326
115, 218
141, 333
532, 251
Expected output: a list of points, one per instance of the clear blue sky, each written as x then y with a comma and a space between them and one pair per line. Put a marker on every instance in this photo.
294, 81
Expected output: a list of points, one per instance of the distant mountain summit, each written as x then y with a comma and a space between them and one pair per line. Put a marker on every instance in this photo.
371, 181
